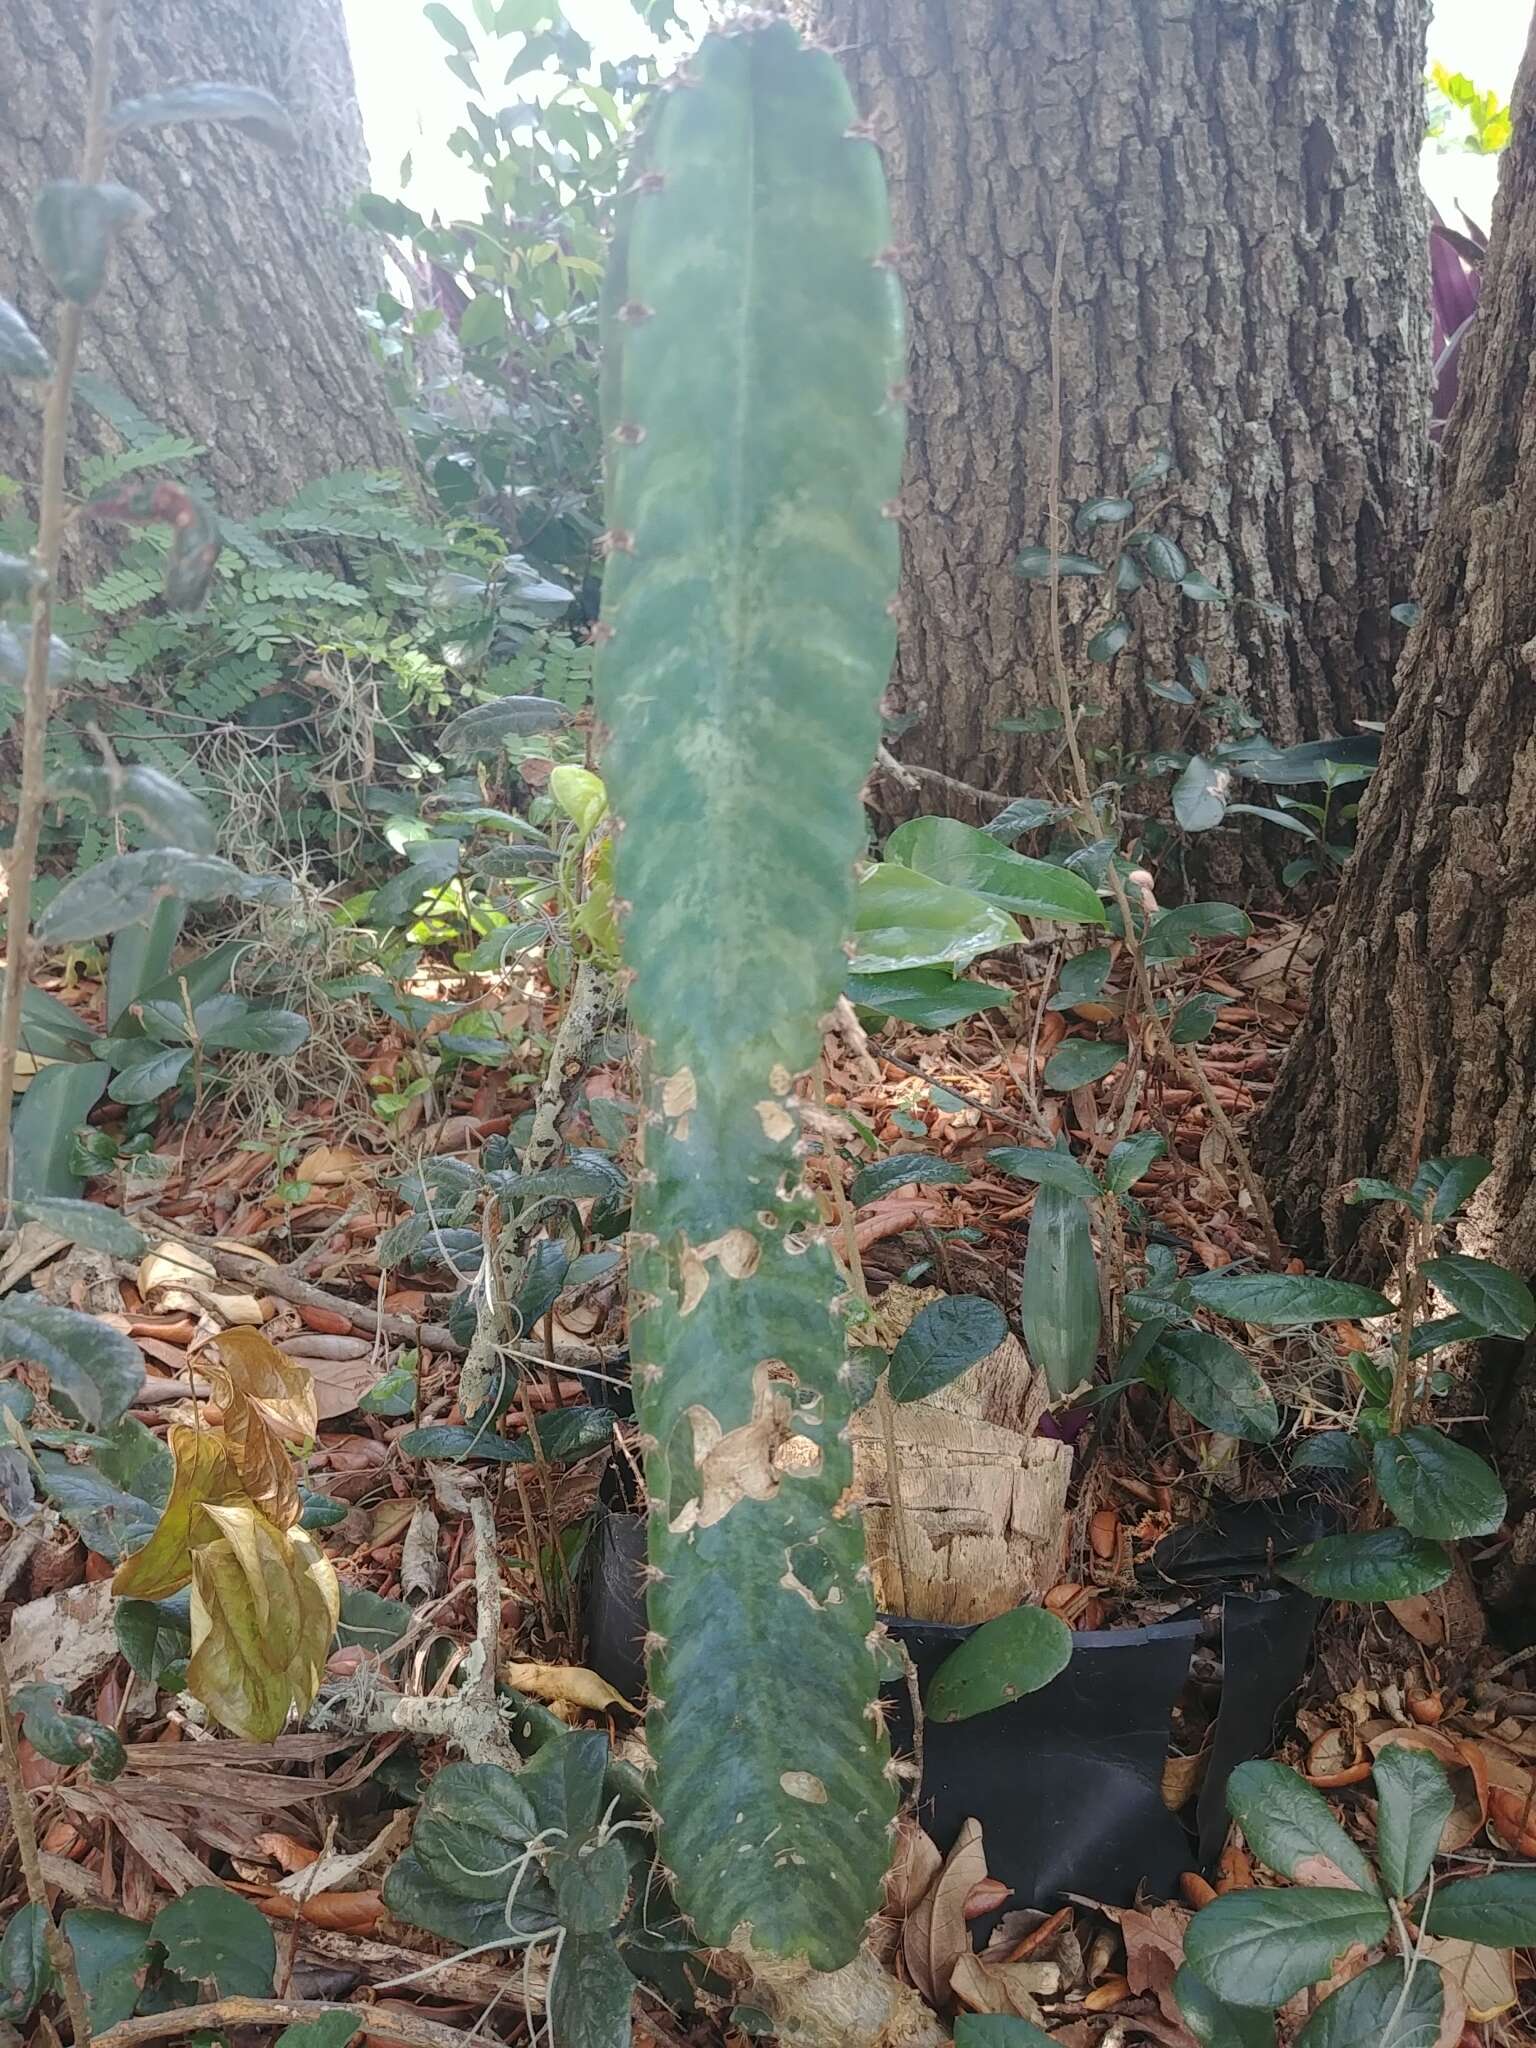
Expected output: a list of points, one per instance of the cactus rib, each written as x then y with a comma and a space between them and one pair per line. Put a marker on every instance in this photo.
754, 438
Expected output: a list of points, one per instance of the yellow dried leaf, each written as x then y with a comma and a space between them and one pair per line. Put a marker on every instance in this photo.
571, 1685
264, 1607
205, 1476
331, 1166
266, 1397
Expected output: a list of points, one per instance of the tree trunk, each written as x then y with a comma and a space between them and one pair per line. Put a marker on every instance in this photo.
1232, 186
1421, 1037
230, 317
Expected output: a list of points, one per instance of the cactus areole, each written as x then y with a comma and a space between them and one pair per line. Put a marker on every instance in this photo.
754, 434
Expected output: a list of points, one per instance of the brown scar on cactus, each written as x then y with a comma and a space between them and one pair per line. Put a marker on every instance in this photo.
804, 1785
776, 1121
738, 1253
737, 1464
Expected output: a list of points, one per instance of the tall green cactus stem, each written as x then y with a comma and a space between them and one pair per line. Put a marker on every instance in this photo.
755, 426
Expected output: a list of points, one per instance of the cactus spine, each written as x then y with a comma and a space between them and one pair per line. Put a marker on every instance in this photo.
754, 433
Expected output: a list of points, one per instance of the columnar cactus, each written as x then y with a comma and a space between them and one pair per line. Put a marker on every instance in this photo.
754, 428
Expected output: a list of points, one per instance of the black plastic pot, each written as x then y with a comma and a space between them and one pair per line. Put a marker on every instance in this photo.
1067, 1782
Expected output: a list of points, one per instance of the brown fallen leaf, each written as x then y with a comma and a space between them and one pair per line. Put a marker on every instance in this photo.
914, 1866
1484, 1977
332, 1166
287, 1851
1182, 1778
1106, 1996
1013, 1988
1422, 1616
935, 1936
344, 1912
985, 1898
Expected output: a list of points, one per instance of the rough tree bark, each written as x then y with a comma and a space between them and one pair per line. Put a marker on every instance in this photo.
1234, 188
230, 316
1421, 1034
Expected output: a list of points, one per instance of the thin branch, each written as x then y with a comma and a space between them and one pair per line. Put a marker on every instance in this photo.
910, 774
381, 2022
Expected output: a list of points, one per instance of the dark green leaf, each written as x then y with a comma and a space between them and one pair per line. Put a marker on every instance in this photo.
1081, 978
88, 1223
208, 100
1381, 2008
1173, 934
21, 353
1059, 1299
74, 227
929, 996
1330, 1450
1129, 1161
898, 1170
1104, 646
1170, 690
112, 1959
1162, 558
1102, 512
1282, 1300
1200, 590
1499, 1910
1215, 2025
1435, 1487
156, 1638
474, 1822
1283, 819
590, 1884
1196, 1019
1200, 794
1407, 614
115, 1499
212, 1935
392, 1396
1494, 1298
1441, 1185
25, 1971
1440, 1331
1290, 1827
433, 864
331, 2030
370, 1621
274, 1031
1413, 1803
1024, 814
568, 1433
1368, 1190
962, 857
1311, 761
903, 919
590, 1996
1128, 576
944, 1339
1078, 1061
56, 1103
170, 815
1047, 1168
998, 2030
320, 1510
1217, 1385
128, 886
68, 1739
96, 1368
1157, 465
1262, 1947
1382, 1564
1017, 1653
416, 1895
146, 1076
483, 728
1032, 564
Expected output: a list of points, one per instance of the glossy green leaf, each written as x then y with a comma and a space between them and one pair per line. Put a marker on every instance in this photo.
1200, 590
1105, 645
1170, 690
280, 1032
26, 1974
209, 100
566, 1434
115, 1498
1441, 1186
1384, 2007
1436, 1487
112, 1958
1024, 814
944, 1339
96, 1368
964, 858
750, 646
156, 1638
590, 1997
1217, 1385
1047, 1167
1078, 1061
57, 1101
1281, 1300
1200, 794
1081, 978
1102, 512
74, 227
1129, 1161
1413, 1803
1001, 1661
1215, 2025
21, 353
929, 996
211, 1935
1330, 1450
68, 1739
1262, 1947
1381, 1564
1059, 1293
1290, 1827
903, 919
87, 1223
1033, 565
1162, 558
1491, 1296
1173, 934
902, 1169
1499, 1909
128, 886
370, 1621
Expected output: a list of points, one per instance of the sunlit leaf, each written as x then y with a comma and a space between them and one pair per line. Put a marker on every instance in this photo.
264, 1607
128, 886
205, 1474
169, 814
944, 1339
269, 1402
1016, 1654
